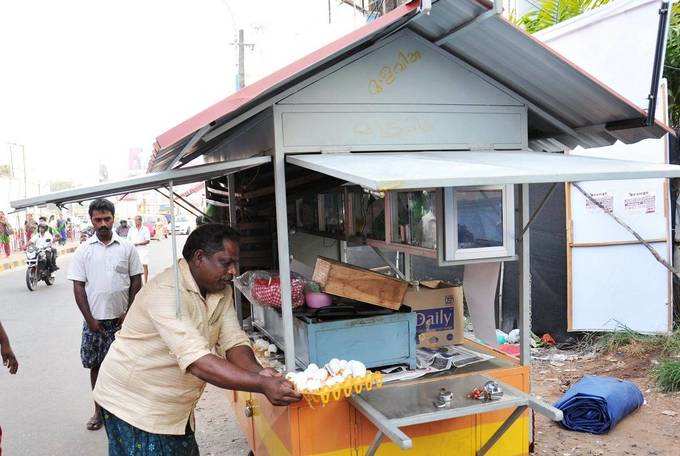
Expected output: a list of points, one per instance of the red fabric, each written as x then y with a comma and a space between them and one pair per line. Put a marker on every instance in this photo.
268, 292
5, 247
510, 349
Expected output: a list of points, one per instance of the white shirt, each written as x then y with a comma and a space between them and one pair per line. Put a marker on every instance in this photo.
140, 235
106, 271
41, 240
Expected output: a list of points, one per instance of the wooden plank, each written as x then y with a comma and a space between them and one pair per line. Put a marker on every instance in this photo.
342, 279
570, 241
607, 244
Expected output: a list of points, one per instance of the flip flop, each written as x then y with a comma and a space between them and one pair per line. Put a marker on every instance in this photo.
94, 424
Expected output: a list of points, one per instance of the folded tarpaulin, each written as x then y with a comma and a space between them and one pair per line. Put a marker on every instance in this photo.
595, 404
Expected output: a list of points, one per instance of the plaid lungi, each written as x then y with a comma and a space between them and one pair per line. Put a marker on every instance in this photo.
127, 440
95, 345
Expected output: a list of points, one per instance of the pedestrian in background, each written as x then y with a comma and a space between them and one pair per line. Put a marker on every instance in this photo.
61, 227
30, 227
140, 237
123, 229
106, 274
5, 232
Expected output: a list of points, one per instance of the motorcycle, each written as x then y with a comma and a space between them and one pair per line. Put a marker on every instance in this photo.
37, 260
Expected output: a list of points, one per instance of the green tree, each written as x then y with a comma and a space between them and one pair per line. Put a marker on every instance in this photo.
553, 12
671, 69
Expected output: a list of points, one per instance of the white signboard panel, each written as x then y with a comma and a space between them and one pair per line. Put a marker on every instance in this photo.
611, 294
431, 127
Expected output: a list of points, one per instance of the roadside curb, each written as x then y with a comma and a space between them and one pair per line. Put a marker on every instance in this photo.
6, 266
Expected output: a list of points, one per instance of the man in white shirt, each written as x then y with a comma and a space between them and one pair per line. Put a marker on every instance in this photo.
43, 240
140, 237
106, 274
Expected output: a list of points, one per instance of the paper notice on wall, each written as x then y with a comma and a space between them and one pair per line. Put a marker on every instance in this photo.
640, 202
605, 199
480, 281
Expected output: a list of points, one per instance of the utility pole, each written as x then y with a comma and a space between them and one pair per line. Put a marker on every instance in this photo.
23, 161
241, 45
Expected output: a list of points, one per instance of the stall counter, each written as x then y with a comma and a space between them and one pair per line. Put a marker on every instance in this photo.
339, 429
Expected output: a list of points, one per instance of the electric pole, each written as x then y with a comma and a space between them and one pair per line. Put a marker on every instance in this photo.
241, 45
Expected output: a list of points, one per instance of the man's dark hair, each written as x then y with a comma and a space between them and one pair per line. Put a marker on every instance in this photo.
101, 205
209, 238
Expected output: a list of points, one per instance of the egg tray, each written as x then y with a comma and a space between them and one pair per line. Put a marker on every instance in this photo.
351, 385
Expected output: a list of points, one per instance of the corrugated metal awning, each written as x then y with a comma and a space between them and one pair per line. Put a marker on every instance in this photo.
567, 106
414, 170
147, 182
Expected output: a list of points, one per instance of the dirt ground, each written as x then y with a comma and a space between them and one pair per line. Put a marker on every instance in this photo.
216, 431
654, 429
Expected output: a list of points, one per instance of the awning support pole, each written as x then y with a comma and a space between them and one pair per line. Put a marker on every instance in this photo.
524, 267
635, 234
538, 210
389, 263
178, 310
231, 184
190, 145
284, 258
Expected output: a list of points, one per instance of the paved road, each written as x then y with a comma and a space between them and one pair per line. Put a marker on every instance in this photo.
43, 409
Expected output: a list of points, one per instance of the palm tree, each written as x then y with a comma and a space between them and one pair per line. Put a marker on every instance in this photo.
552, 12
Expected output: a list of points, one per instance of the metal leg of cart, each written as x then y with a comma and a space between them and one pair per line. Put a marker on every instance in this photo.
375, 444
502, 430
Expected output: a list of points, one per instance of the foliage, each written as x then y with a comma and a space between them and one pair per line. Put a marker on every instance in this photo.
555, 11
5, 171
672, 66
667, 375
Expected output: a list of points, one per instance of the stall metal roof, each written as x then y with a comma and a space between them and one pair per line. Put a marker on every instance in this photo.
180, 176
567, 106
412, 170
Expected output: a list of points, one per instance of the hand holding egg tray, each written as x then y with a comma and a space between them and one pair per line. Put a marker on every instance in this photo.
337, 379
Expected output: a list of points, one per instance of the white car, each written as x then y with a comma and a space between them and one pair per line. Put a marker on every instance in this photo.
183, 225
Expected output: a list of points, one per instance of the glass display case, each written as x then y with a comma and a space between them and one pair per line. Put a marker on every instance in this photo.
331, 212
366, 212
414, 220
307, 212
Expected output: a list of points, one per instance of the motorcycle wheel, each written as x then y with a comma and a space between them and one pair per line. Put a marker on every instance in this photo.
31, 279
49, 280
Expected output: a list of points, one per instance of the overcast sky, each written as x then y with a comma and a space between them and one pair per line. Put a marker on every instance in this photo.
83, 81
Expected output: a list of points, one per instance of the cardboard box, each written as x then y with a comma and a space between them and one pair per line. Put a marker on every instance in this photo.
364, 285
439, 309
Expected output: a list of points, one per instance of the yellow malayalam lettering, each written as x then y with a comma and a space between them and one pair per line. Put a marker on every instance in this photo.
389, 73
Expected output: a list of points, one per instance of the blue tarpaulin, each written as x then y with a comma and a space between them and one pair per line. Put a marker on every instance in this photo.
595, 404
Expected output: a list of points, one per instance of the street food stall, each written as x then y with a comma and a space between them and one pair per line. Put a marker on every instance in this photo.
419, 133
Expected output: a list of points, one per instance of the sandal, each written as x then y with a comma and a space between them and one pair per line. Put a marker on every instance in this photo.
94, 424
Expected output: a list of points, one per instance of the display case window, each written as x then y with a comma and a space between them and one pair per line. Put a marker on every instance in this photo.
367, 214
414, 219
307, 212
479, 222
331, 213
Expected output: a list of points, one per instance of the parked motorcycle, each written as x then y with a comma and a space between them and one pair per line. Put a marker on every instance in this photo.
38, 262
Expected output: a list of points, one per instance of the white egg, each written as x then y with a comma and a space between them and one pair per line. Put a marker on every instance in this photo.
312, 385
312, 368
343, 364
272, 348
290, 376
334, 366
321, 375
357, 368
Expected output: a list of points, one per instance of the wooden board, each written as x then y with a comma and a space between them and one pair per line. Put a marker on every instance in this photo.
342, 279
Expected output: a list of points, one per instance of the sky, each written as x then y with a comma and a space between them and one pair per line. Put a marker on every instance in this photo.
83, 81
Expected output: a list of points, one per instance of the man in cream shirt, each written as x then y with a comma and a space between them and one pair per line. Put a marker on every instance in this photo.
163, 356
